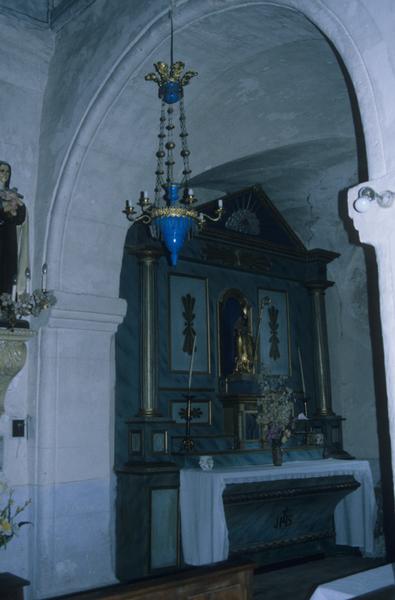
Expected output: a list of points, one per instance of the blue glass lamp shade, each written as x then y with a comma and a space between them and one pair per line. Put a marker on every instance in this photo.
173, 225
171, 92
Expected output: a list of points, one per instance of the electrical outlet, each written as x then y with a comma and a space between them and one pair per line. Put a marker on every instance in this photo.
18, 428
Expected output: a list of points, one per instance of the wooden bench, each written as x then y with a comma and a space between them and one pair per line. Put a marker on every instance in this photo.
11, 586
224, 581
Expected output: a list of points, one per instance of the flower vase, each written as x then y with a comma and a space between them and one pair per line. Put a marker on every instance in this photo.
277, 453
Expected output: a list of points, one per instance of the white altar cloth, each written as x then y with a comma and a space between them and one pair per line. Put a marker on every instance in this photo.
203, 526
355, 585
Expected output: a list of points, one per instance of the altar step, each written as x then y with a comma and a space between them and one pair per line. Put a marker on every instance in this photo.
298, 582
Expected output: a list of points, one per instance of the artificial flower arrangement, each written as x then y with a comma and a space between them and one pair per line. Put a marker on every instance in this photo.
9, 524
275, 408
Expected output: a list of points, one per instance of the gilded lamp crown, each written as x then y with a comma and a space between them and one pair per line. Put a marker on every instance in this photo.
170, 80
164, 73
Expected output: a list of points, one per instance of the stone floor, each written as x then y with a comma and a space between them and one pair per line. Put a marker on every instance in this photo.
298, 582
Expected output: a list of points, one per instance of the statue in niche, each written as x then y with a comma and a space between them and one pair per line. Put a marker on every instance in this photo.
13, 255
244, 344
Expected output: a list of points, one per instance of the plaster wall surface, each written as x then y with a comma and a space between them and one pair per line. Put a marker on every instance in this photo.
76, 218
25, 53
126, 37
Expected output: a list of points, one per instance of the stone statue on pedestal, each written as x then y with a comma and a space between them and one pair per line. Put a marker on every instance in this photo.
244, 344
13, 259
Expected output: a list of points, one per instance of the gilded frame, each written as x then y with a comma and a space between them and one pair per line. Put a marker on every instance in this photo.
139, 434
174, 328
194, 422
164, 434
284, 368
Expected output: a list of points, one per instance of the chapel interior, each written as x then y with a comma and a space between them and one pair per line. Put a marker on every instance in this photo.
142, 377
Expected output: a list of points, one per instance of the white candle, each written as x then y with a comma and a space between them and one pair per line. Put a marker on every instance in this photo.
28, 281
44, 277
191, 363
13, 291
190, 192
201, 218
301, 372
145, 195
220, 203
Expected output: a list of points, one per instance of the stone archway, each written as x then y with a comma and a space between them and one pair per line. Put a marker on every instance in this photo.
77, 341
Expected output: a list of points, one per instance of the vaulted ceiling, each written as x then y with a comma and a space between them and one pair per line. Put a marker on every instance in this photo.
45, 13
272, 106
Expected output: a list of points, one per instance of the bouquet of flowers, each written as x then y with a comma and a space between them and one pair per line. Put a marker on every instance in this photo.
9, 523
275, 409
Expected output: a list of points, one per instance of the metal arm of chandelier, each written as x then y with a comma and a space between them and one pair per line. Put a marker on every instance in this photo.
149, 212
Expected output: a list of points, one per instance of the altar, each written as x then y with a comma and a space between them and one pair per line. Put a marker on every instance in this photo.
204, 528
212, 355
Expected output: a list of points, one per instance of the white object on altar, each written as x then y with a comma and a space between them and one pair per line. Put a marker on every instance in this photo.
203, 526
356, 585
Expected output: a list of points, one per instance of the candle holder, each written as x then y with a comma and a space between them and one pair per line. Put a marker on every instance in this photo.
14, 306
189, 413
12, 310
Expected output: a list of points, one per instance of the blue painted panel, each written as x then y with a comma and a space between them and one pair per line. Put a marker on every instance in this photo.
164, 514
201, 412
179, 360
274, 333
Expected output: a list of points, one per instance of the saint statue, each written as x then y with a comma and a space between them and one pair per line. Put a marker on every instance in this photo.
13, 252
244, 344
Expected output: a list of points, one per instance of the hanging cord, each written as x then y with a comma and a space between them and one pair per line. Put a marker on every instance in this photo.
184, 146
160, 155
171, 33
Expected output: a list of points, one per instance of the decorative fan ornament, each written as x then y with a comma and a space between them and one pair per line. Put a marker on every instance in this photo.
243, 220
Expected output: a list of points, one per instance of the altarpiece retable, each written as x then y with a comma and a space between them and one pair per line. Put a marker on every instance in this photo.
245, 305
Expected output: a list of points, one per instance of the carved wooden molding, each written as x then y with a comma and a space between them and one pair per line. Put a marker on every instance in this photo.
13, 354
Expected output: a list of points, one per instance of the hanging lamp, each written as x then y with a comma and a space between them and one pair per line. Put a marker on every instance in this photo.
171, 217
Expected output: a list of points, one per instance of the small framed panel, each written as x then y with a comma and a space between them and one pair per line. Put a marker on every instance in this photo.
189, 317
164, 547
135, 442
274, 339
200, 409
159, 442
251, 427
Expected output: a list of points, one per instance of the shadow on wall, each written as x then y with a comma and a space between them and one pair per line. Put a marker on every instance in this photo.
380, 388
383, 430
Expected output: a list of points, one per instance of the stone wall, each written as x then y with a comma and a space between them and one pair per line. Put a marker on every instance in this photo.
81, 151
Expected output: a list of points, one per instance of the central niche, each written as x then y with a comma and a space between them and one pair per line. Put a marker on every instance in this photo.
236, 342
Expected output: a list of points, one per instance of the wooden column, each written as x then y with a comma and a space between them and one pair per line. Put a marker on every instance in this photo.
321, 354
148, 260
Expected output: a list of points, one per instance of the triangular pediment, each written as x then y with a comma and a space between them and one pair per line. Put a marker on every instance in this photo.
250, 216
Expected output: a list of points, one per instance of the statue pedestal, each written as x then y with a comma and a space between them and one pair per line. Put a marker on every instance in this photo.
12, 356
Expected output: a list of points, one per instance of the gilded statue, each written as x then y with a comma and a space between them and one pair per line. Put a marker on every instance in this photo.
244, 344
13, 256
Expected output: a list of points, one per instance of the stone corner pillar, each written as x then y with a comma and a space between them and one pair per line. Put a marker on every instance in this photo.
376, 227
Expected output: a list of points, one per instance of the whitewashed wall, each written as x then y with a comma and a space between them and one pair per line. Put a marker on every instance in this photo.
83, 172
25, 55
